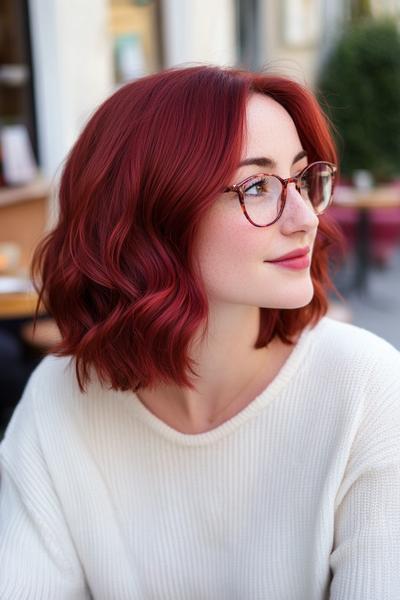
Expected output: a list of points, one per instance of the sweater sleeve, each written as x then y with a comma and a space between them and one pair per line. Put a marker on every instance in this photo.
365, 560
37, 556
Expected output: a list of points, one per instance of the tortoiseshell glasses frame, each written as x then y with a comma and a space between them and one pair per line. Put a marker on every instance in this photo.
298, 180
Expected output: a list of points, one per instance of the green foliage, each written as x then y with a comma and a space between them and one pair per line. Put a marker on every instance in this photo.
359, 88
360, 9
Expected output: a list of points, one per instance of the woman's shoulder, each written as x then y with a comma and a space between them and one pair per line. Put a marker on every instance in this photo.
351, 336
58, 375
54, 377
359, 373
53, 388
52, 401
53, 369
341, 343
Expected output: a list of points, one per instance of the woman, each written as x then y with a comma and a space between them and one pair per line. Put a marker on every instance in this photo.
202, 431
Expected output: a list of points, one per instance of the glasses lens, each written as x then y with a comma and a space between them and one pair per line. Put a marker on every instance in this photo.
316, 185
262, 198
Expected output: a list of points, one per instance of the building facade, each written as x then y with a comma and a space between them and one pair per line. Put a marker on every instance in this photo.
83, 50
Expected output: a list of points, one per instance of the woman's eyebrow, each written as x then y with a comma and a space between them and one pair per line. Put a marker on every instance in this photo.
299, 156
263, 161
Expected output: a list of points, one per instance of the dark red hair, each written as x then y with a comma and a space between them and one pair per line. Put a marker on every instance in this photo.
117, 271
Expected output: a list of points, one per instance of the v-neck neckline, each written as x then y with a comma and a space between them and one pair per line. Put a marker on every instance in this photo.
273, 389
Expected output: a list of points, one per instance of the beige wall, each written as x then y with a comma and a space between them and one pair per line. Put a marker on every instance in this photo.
199, 31
297, 61
391, 7
72, 68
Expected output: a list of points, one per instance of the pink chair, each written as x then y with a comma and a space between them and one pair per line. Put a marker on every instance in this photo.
385, 233
347, 219
384, 230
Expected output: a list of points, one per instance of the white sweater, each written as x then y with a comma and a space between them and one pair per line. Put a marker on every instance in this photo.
297, 497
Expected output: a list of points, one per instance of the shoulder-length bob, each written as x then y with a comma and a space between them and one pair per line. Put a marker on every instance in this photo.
117, 272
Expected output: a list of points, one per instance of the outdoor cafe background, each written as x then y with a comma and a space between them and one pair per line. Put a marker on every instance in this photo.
59, 59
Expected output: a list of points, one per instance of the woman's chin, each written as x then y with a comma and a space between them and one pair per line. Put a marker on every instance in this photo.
292, 299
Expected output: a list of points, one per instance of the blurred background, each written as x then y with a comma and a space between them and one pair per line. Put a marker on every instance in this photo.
60, 58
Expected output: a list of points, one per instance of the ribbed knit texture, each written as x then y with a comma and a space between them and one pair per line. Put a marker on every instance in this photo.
297, 497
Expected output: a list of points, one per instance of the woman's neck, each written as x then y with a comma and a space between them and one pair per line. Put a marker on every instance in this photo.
231, 372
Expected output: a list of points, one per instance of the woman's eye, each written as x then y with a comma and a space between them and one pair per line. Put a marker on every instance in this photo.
256, 189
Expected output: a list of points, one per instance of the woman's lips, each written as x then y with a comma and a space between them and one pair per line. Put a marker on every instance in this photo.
297, 263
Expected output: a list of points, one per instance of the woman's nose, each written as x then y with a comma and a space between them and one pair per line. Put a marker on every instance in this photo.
298, 213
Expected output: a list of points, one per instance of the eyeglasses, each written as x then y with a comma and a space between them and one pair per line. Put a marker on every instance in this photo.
262, 197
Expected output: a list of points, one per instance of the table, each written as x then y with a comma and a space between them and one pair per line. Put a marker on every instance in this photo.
22, 306
19, 305
37, 189
24, 214
364, 200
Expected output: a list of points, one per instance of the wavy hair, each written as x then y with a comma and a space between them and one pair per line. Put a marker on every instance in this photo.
117, 271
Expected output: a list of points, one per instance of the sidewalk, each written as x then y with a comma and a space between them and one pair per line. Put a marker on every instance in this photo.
379, 310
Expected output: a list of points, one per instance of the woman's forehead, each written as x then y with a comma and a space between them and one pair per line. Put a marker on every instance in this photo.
270, 134
269, 125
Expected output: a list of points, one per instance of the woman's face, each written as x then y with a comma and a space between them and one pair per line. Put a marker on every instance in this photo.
231, 251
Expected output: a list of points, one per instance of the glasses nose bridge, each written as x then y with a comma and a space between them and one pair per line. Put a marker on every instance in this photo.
294, 180
285, 183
